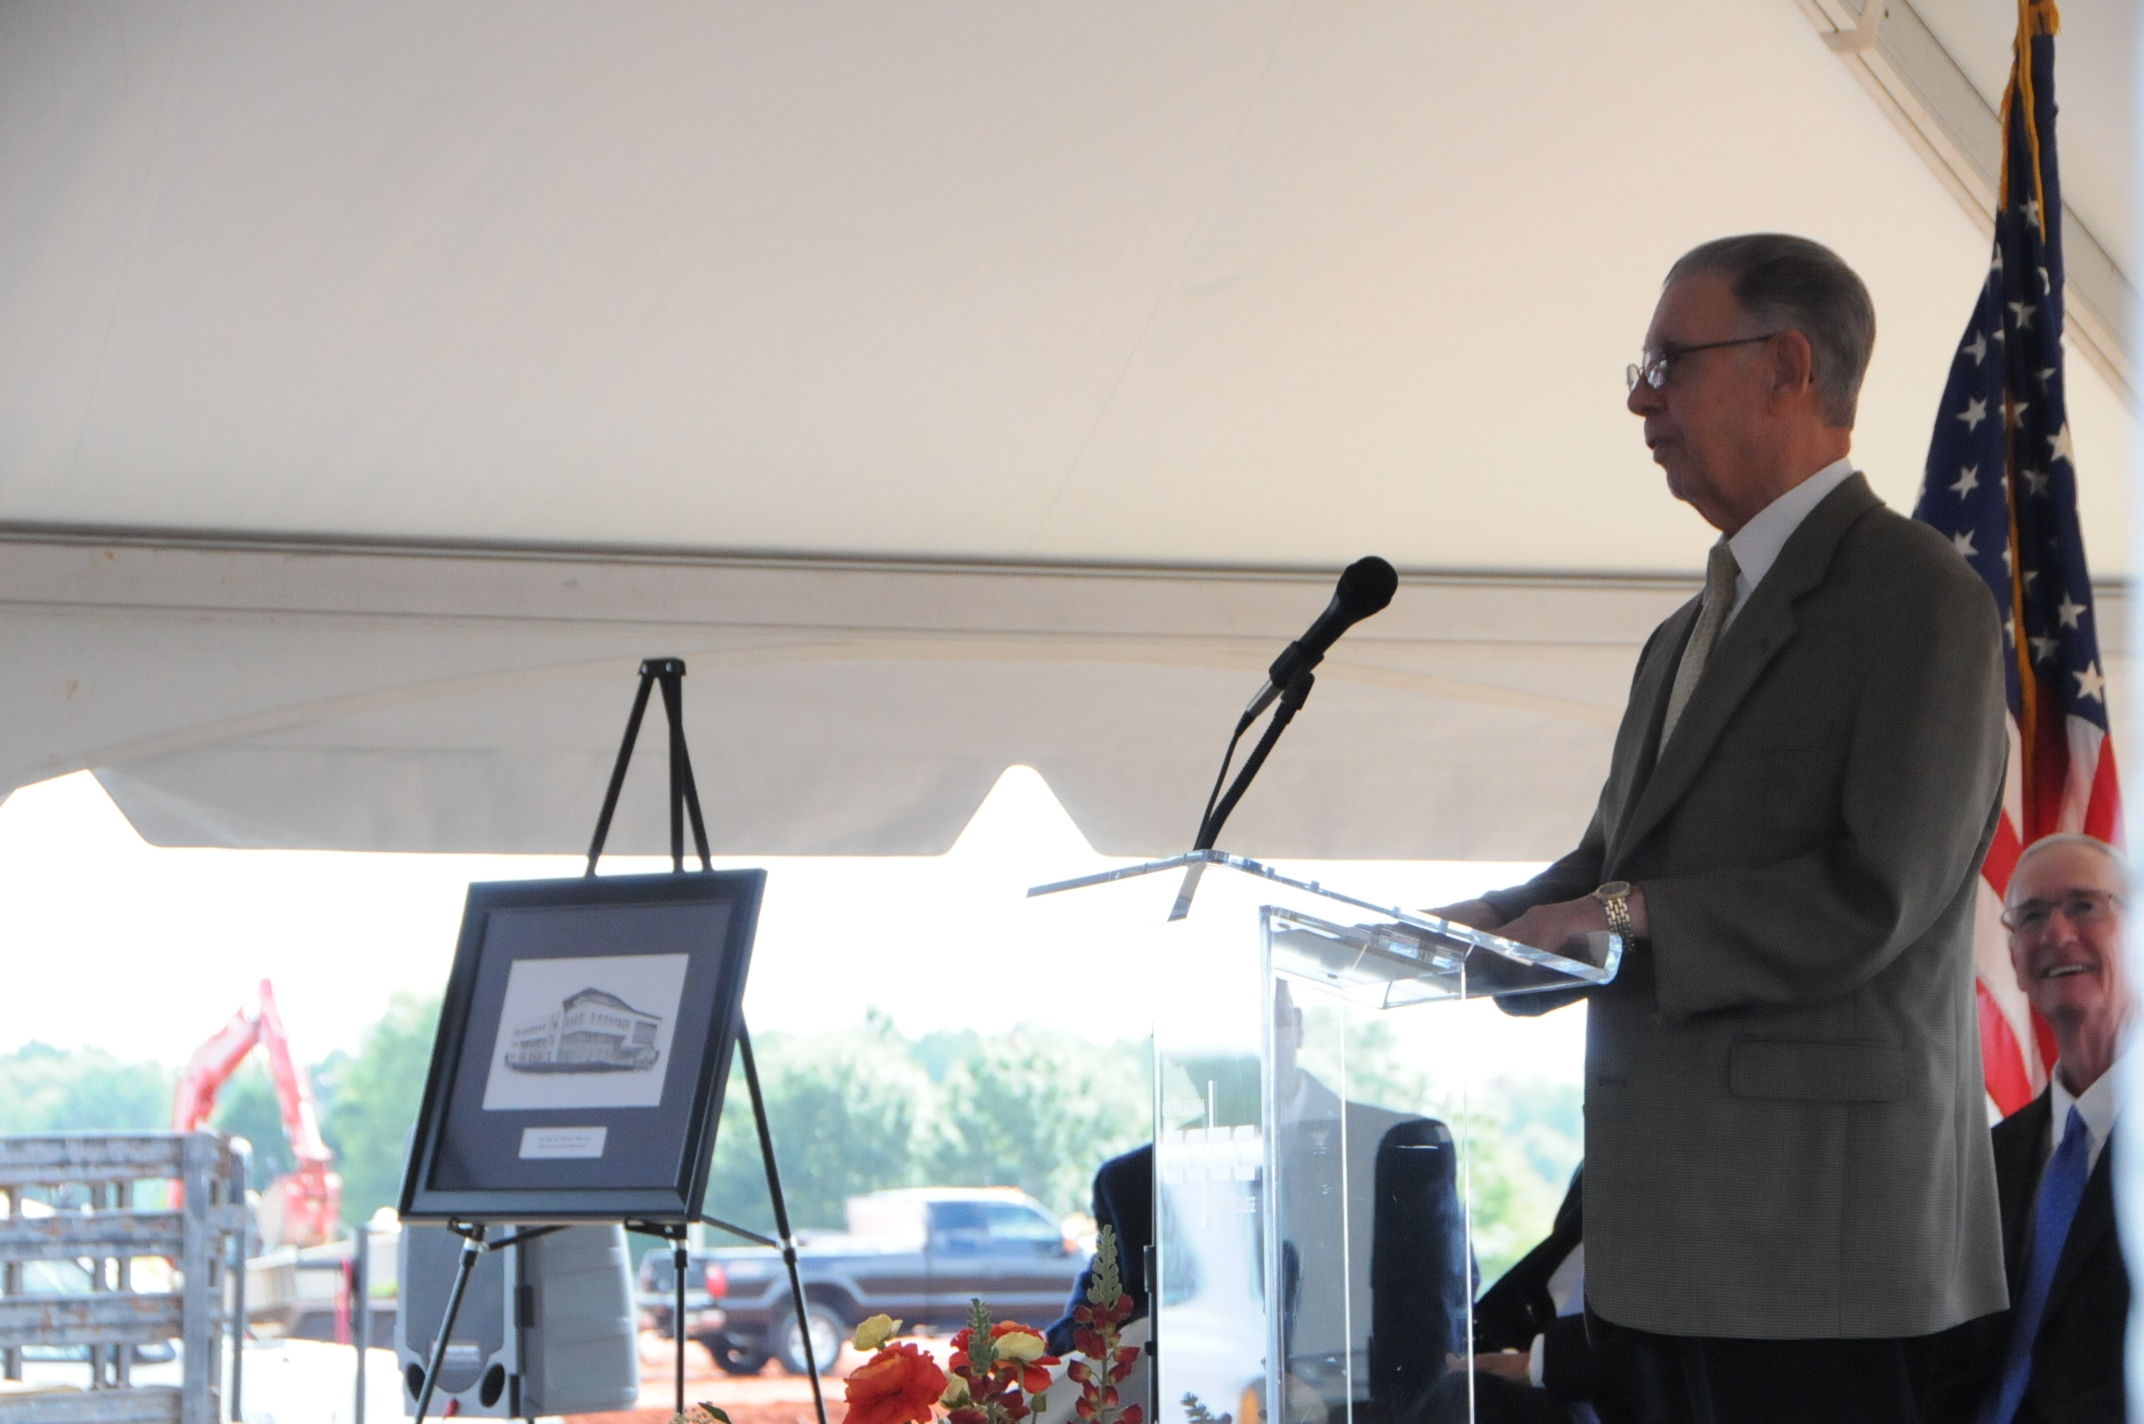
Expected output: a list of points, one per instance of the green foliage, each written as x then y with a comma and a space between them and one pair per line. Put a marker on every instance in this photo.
247, 1108
1107, 1282
46, 1089
1041, 1112
843, 1110
370, 1102
860, 1111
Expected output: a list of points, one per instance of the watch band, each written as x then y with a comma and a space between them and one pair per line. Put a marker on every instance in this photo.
1615, 901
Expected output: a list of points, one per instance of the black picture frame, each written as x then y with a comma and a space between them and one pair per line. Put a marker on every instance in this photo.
615, 1136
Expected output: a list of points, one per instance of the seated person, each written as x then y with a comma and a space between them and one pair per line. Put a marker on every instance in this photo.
2055, 1356
1124, 1199
1532, 1362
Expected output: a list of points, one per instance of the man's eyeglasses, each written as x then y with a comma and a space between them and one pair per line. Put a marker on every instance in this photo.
1652, 366
2081, 907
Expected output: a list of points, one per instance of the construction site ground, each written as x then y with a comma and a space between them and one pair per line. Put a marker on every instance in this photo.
773, 1396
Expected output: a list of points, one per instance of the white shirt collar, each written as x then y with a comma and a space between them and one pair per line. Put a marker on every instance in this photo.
1757, 543
2096, 1105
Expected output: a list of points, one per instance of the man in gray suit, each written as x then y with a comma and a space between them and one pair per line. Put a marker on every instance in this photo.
1788, 1181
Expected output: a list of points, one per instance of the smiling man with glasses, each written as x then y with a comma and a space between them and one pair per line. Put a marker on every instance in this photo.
1789, 1188
2055, 1357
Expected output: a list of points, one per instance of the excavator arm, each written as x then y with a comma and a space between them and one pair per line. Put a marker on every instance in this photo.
311, 1196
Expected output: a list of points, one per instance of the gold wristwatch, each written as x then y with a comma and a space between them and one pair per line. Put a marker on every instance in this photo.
1615, 899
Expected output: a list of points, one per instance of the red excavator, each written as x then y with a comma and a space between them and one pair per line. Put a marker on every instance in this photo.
308, 1202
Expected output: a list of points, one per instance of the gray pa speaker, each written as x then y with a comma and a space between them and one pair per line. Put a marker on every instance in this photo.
546, 1326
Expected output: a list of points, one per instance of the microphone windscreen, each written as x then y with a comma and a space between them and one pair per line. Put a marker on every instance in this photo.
1367, 586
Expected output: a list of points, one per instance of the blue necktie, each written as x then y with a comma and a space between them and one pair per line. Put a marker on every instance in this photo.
2061, 1188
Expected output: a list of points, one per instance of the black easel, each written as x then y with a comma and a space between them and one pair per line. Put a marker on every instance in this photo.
684, 800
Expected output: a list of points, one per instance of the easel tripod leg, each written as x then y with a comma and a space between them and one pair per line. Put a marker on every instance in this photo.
781, 1217
472, 1245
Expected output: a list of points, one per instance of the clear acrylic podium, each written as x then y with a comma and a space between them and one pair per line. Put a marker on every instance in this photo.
1312, 1133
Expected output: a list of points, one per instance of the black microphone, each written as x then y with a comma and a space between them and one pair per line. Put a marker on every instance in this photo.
1365, 588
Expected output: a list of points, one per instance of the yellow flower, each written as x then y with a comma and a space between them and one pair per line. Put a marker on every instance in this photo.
1021, 1345
956, 1393
875, 1332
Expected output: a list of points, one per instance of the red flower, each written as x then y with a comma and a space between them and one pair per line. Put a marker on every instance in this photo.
897, 1386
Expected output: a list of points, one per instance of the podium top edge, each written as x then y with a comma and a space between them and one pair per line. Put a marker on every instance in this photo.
1448, 930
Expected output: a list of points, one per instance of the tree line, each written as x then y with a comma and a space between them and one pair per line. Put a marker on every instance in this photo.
852, 1110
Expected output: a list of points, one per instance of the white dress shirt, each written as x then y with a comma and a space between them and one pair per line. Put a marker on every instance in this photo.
1757, 543
2096, 1105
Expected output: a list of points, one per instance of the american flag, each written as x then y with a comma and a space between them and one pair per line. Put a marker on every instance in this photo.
2001, 483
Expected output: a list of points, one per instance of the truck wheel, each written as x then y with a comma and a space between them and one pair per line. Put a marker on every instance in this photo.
732, 1358
827, 1333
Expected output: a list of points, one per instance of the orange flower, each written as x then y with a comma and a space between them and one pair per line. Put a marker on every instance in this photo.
897, 1386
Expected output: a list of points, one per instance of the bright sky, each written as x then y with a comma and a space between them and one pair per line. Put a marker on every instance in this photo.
113, 943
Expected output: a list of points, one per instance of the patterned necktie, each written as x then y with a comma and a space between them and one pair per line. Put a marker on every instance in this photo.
2061, 1188
1721, 570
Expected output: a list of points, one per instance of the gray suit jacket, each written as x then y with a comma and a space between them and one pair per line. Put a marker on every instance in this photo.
1785, 1136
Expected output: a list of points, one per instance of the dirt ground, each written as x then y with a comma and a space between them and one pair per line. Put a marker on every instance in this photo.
773, 1396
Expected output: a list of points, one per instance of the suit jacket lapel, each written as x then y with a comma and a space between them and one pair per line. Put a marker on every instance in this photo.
1759, 631
1649, 694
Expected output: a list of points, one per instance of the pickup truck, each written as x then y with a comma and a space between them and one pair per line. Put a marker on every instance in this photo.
918, 1254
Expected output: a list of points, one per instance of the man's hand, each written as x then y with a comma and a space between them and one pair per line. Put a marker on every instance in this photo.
1555, 927
1514, 1365
1474, 914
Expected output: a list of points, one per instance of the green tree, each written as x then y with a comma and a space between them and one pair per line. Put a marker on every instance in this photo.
247, 1108
1040, 1112
372, 1101
844, 1111
47, 1089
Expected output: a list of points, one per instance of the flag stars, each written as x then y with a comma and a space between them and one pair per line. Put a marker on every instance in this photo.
2044, 649
2021, 313
2031, 207
2060, 441
2036, 482
1977, 347
2013, 412
2030, 575
1963, 543
2091, 684
1975, 411
2069, 611
2045, 284
2047, 374
1968, 481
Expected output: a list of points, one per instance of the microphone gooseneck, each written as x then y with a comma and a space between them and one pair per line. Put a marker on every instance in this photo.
1365, 587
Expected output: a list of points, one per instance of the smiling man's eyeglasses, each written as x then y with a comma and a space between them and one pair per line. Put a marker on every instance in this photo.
2080, 907
1652, 366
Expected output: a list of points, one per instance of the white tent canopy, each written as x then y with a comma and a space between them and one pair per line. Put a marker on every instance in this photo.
951, 385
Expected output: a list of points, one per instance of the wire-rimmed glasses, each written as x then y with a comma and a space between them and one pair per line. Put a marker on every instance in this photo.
1651, 367
2081, 907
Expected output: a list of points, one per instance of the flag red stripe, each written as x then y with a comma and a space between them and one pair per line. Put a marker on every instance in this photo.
2003, 852
2103, 813
2001, 1064
2047, 765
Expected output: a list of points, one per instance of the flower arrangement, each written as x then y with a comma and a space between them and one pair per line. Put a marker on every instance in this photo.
1097, 1333
999, 1372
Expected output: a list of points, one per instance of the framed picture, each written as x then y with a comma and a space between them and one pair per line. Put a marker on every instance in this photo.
584, 1044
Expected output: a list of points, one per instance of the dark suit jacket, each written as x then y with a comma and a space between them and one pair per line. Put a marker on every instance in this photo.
1124, 1199
1785, 1135
2077, 1360
1517, 1308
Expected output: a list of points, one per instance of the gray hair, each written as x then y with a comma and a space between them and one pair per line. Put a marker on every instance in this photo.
2073, 838
1786, 281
